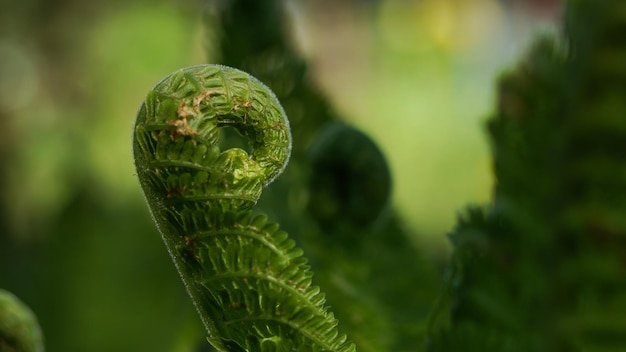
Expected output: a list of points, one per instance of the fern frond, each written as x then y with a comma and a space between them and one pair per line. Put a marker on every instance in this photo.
543, 268
19, 328
254, 270
250, 284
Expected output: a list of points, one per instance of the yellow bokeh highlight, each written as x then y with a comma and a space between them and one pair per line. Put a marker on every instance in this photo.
439, 24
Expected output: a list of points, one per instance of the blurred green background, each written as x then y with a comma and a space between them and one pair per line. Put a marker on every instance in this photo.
76, 240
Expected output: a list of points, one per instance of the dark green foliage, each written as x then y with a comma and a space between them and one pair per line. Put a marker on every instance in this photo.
350, 180
543, 268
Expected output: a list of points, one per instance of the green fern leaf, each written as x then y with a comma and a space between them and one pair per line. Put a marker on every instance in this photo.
249, 282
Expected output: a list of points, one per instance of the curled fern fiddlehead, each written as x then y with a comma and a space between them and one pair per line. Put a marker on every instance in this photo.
250, 285
19, 328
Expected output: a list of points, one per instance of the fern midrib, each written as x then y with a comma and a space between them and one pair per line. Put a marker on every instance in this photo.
319, 340
154, 164
300, 292
254, 235
230, 196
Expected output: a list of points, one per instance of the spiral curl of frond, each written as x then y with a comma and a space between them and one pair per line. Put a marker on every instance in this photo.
250, 284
